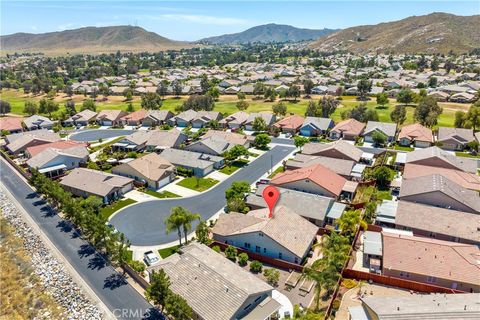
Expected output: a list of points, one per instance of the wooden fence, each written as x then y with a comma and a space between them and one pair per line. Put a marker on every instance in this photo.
136, 276
255, 256
397, 282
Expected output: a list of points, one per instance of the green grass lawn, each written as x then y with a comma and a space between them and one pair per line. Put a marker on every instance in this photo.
402, 148
234, 166
106, 144
107, 211
166, 252
466, 155
198, 184
384, 194
363, 194
227, 105
161, 195
277, 171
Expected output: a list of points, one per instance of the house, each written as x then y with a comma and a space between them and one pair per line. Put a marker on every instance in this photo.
53, 162
216, 142
315, 126
110, 117
439, 95
183, 119
82, 118
83, 182
347, 129
415, 134
19, 142
338, 150
267, 117
431, 261
152, 140
204, 117
436, 157
11, 124
37, 122
151, 169
135, 118
201, 164
388, 129
443, 224
418, 306
234, 121
463, 97
155, 118
319, 207
467, 180
436, 190
454, 138
341, 167
290, 124
316, 179
60, 144
372, 250
215, 287
285, 236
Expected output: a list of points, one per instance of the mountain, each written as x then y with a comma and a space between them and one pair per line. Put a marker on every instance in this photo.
268, 33
89, 40
436, 32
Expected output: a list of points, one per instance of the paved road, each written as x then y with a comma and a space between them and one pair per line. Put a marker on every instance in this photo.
143, 223
122, 299
95, 134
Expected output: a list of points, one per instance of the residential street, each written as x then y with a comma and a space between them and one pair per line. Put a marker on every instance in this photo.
143, 223
122, 299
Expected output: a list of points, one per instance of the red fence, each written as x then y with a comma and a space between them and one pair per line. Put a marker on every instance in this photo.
255, 256
397, 282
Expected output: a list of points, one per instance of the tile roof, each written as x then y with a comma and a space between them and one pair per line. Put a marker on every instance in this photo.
448, 222
286, 227
430, 257
61, 144
338, 149
387, 128
215, 287
349, 127
318, 174
85, 115
465, 179
460, 135
18, 141
111, 115
138, 115
427, 156
339, 166
239, 117
37, 120
157, 138
11, 123
416, 132
151, 166
189, 158
93, 181
290, 122
438, 183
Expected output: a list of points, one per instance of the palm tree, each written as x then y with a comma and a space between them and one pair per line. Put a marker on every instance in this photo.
189, 217
313, 273
175, 221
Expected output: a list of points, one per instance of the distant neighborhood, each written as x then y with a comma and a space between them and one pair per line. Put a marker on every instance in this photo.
162, 169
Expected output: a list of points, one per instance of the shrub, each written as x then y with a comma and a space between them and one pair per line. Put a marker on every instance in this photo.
256, 266
242, 259
184, 172
138, 266
216, 249
272, 276
231, 253
349, 283
336, 304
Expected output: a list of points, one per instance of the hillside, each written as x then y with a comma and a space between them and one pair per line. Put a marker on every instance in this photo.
436, 32
89, 40
268, 33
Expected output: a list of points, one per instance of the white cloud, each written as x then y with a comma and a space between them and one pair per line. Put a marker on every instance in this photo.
66, 26
34, 28
192, 18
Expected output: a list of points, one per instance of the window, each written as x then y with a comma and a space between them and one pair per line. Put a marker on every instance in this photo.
264, 250
431, 279
296, 260
257, 249
258, 298
279, 255
247, 245
247, 307
260, 234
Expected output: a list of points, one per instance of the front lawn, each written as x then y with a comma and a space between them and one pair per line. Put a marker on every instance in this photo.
277, 171
107, 211
166, 252
198, 184
466, 155
161, 195
234, 166
402, 148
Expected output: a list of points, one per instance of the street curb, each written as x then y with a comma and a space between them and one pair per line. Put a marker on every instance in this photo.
56, 252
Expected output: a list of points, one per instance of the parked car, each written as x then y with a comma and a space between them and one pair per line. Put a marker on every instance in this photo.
150, 258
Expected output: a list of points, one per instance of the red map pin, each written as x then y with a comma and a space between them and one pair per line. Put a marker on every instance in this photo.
271, 195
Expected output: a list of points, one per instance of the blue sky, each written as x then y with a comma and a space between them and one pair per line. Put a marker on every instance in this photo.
192, 20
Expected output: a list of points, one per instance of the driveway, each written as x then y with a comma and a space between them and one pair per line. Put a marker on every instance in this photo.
96, 134
143, 223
